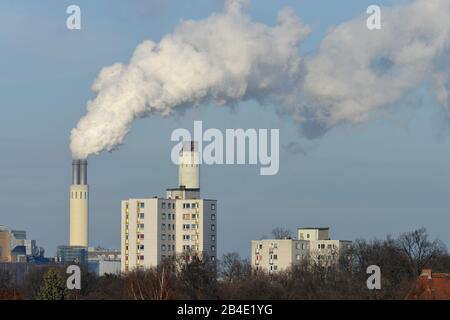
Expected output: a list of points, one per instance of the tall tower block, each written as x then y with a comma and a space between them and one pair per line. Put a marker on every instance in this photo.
189, 166
79, 204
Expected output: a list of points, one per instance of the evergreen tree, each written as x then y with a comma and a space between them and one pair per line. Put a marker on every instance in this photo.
54, 287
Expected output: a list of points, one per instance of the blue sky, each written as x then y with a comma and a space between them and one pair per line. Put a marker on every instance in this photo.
384, 177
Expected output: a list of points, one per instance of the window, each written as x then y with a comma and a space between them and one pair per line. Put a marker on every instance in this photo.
194, 216
163, 247
275, 257
193, 226
163, 236
298, 257
141, 216
307, 235
260, 246
213, 206
141, 226
213, 217
275, 267
163, 205
213, 238
318, 246
163, 216
141, 236
142, 205
213, 258
213, 248
323, 246
163, 226
141, 247
213, 227
141, 257
186, 237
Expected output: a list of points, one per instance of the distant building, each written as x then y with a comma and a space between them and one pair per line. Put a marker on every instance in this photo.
15, 247
313, 246
103, 261
182, 224
98, 253
431, 286
5, 244
278, 254
322, 249
72, 254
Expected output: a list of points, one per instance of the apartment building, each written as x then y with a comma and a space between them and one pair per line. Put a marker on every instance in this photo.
181, 224
323, 250
313, 246
276, 255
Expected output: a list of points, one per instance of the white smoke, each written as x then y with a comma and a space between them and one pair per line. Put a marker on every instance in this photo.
224, 58
357, 71
228, 58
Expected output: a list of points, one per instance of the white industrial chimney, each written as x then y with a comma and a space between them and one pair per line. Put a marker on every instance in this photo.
79, 204
189, 166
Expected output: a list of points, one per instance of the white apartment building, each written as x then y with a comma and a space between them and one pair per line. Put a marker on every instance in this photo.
182, 223
313, 246
276, 255
323, 250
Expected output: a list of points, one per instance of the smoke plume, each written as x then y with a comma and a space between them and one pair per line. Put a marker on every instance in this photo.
228, 58
357, 71
224, 58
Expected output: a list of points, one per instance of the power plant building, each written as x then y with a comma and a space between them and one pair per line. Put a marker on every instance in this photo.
181, 224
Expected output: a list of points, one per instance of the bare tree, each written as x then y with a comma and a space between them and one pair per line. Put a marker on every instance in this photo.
419, 249
233, 268
151, 284
281, 233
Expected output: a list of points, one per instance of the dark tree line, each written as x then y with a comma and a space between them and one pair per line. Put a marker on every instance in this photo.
400, 261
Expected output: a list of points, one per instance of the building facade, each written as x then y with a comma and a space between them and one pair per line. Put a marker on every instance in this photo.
15, 247
313, 247
72, 255
323, 250
431, 286
276, 255
181, 224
